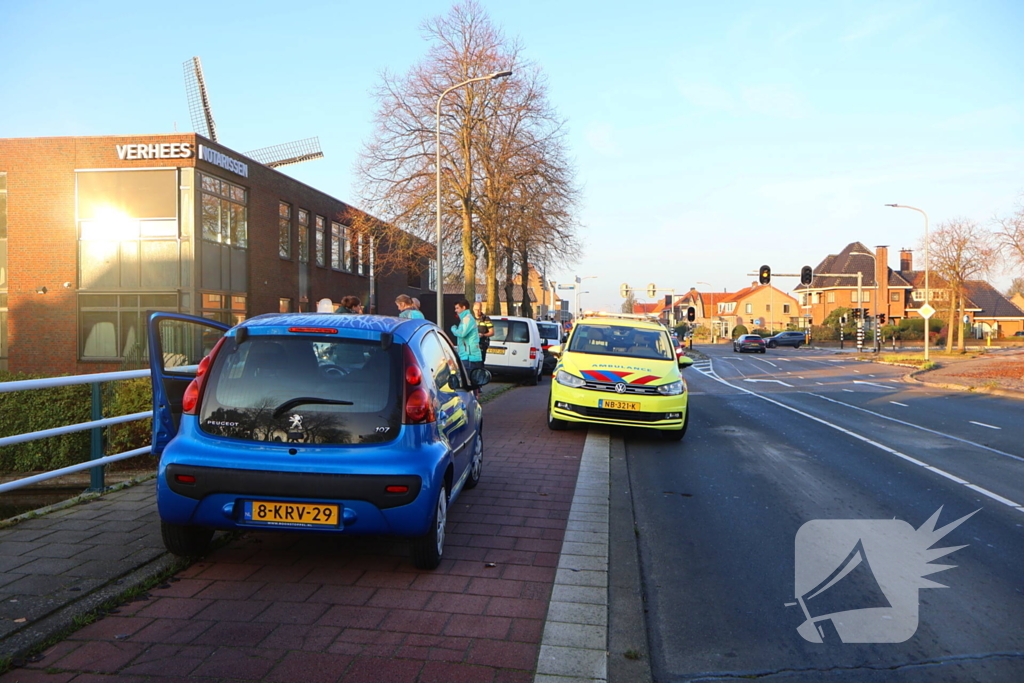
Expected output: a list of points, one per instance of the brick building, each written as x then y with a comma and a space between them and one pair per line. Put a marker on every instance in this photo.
757, 307
95, 231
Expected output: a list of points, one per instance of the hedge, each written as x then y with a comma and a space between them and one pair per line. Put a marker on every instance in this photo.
37, 409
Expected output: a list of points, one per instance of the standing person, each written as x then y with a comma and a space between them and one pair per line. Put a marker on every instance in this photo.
486, 329
416, 303
406, 308
350, 305
468, 337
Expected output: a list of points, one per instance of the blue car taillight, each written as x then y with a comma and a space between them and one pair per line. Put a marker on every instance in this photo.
419, 407
190, 399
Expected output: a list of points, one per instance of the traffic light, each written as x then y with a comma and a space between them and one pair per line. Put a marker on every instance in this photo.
764, 275
668, 300
881, 318
842, 320
806, 275
691, 314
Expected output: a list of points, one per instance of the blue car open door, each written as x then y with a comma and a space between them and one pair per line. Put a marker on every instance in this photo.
177, 343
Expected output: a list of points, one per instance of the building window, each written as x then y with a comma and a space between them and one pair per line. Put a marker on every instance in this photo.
284, 305
223, 205
224, 308
768, 308
284, 231
321, 245
803, 299
360, 257
432, 276
894, 296
303, 236
113, 326
831, 298
347, 245
748, 309
934, 295
785, 308
817, 297
337, 245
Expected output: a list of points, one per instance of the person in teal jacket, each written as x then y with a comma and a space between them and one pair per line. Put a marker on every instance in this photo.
468, 336
406, 307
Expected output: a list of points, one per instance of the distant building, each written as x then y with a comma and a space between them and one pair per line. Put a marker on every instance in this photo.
757, 307
96, 231
899, 294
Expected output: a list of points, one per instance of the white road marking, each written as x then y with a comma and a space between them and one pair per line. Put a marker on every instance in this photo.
851, 390
777, 381
821, 384
993, 496
773, 364
923, 429
898, 403
982, 424
880, 386
880, 446
947, 475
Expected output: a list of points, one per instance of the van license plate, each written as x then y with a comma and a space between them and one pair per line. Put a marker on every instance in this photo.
290, 514
497, 351
618, 405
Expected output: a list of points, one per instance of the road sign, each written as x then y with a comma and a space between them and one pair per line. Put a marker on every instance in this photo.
567, 286
926, 311
652, 291
967, 319
624, 290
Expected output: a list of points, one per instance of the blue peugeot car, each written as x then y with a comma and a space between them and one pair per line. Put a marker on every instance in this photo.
352, 424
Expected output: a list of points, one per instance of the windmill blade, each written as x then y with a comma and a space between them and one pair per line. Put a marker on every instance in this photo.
289, 153
199, 100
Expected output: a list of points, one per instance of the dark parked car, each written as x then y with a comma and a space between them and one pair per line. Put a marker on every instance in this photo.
748, 342
793, 338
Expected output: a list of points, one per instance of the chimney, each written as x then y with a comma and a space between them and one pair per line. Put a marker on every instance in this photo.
906, 260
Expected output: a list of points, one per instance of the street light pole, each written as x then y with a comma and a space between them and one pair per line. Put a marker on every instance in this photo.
927, 291
437, 170
578, 292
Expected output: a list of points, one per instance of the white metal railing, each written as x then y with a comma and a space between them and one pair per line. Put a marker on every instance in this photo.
98, 460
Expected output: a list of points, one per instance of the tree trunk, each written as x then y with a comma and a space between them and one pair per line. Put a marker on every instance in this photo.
468, 255
509, 284
950, 325
960, 325
493, 306
524, 275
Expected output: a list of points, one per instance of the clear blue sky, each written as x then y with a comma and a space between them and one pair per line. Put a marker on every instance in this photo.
710, 137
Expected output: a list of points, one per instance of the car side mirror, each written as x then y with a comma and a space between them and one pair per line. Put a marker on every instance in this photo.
480, 376
685, 362
555, 350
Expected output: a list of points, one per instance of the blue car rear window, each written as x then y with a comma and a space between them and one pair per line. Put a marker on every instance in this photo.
298, 389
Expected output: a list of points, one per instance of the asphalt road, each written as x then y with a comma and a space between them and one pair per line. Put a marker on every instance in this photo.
784, 438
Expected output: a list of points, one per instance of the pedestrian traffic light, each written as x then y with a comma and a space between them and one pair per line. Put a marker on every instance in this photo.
842, 320
764, 275
691, 314
806, 275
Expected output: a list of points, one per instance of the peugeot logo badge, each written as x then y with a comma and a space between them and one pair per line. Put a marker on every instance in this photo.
620, 388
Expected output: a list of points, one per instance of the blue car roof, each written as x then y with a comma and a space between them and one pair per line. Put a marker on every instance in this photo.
269, 323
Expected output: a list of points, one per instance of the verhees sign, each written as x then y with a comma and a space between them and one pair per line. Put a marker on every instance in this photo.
164, 150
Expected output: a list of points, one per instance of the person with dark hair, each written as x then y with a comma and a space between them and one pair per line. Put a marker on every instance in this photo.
406, 307
486, 329
350, 305
468, 336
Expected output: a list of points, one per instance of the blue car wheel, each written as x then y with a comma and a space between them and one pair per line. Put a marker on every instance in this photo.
476, 467
428, 549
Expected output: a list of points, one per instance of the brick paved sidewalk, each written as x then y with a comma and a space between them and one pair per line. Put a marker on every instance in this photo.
280, 607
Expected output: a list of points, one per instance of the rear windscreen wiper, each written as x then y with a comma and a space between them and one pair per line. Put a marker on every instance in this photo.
288, 405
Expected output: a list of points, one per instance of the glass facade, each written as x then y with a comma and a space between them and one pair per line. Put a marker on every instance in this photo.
303, 236
321, 244
113, 326
337, 244
225, 308
224, 212
284, 230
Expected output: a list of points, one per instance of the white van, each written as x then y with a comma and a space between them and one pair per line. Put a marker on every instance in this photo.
515, 348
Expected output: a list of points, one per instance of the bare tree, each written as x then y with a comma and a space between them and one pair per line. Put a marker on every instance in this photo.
500, 140
1016, 287
960, 250
1010, 234
627, 305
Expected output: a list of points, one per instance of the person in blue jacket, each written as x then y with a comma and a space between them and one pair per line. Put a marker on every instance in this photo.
406, 307
468, 336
